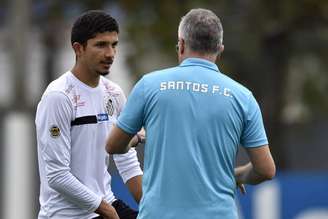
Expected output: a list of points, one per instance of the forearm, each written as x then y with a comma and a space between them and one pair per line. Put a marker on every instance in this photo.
130, 171
135, 187
69, 186
246, 174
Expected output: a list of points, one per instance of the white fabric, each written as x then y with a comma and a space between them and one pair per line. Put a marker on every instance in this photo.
72, 158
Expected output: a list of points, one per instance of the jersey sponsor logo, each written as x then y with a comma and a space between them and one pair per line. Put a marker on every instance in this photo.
102, 117
54, 131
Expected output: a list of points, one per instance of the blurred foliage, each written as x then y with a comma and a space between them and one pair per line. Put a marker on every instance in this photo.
278, 49
260, 37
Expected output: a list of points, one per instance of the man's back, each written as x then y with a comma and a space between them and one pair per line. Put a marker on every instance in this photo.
194, 117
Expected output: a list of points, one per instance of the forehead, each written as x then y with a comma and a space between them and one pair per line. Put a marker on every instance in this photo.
105, 36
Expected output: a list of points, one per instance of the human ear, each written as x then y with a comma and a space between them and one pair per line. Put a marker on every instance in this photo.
78, 48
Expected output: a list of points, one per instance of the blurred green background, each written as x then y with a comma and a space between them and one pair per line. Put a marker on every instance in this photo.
278, 49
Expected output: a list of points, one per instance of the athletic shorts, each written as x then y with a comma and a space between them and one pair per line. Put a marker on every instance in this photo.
123, 211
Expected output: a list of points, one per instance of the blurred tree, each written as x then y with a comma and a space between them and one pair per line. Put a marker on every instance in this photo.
261, 38
49, 17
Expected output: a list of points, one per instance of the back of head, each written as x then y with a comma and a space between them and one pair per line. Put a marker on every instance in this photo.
202, 31
91, 23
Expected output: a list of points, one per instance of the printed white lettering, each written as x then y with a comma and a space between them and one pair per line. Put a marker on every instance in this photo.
196, 87
179, 85
163, 86
227, 92
215, 88
171, 85
188, 83
204, 88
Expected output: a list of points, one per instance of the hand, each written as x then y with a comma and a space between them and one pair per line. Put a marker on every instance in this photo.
241, 188
139, 138
238, 176
142, 136
111, 214
107, 211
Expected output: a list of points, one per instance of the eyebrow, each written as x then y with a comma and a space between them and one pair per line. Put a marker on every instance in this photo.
103, 42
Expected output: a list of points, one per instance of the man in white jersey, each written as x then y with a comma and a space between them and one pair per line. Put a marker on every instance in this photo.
73, 119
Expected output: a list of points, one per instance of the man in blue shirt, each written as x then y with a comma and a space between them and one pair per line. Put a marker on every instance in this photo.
195, 118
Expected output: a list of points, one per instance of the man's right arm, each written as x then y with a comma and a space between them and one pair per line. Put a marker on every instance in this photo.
260, 168
107, 211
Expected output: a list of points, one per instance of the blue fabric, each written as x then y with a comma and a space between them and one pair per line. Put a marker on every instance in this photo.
195, 119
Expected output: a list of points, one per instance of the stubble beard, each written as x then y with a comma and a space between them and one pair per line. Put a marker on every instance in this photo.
104, 73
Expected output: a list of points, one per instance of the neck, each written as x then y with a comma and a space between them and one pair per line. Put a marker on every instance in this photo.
85, 75
190, 54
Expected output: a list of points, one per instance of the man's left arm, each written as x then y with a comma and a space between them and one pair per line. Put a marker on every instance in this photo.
135, 187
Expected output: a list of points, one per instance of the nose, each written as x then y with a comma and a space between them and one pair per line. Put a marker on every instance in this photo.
110, 52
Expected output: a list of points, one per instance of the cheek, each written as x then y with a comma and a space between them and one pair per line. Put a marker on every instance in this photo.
93, 56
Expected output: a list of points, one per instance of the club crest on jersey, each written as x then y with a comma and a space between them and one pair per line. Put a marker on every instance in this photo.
54, 131
109, 107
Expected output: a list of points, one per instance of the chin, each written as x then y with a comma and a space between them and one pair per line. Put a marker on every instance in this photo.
104, 73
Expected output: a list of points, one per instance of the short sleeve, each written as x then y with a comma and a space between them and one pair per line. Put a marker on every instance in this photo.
131, 118
253, 134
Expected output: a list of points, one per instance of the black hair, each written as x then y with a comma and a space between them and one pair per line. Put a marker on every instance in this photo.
90, 23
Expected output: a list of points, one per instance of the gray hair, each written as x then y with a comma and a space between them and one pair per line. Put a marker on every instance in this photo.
201, 30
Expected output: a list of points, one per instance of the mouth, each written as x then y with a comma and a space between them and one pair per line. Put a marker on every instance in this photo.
107, 64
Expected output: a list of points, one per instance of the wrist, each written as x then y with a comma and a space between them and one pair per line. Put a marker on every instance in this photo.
137, 139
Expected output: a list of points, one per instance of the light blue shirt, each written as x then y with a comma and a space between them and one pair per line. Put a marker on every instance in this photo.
195, 119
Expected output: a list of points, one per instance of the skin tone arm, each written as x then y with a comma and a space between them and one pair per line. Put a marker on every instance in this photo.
119, 142
260, 168
107, 211
135, 187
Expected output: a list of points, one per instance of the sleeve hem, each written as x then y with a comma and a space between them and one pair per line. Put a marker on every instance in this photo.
125, 128
131, 173
96, 204
255, 144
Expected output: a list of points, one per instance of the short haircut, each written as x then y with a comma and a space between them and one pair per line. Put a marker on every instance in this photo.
201, 30
90, 23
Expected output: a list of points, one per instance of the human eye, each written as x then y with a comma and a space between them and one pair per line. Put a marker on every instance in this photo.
101, 44
114, 45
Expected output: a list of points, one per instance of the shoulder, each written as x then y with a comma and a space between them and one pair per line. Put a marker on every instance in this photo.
59, 91
160, 73
152, 79
55, 98
63, 85
237, 88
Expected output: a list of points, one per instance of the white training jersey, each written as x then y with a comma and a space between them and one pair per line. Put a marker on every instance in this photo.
73, 121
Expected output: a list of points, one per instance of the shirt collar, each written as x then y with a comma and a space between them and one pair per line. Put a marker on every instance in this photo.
200, 62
